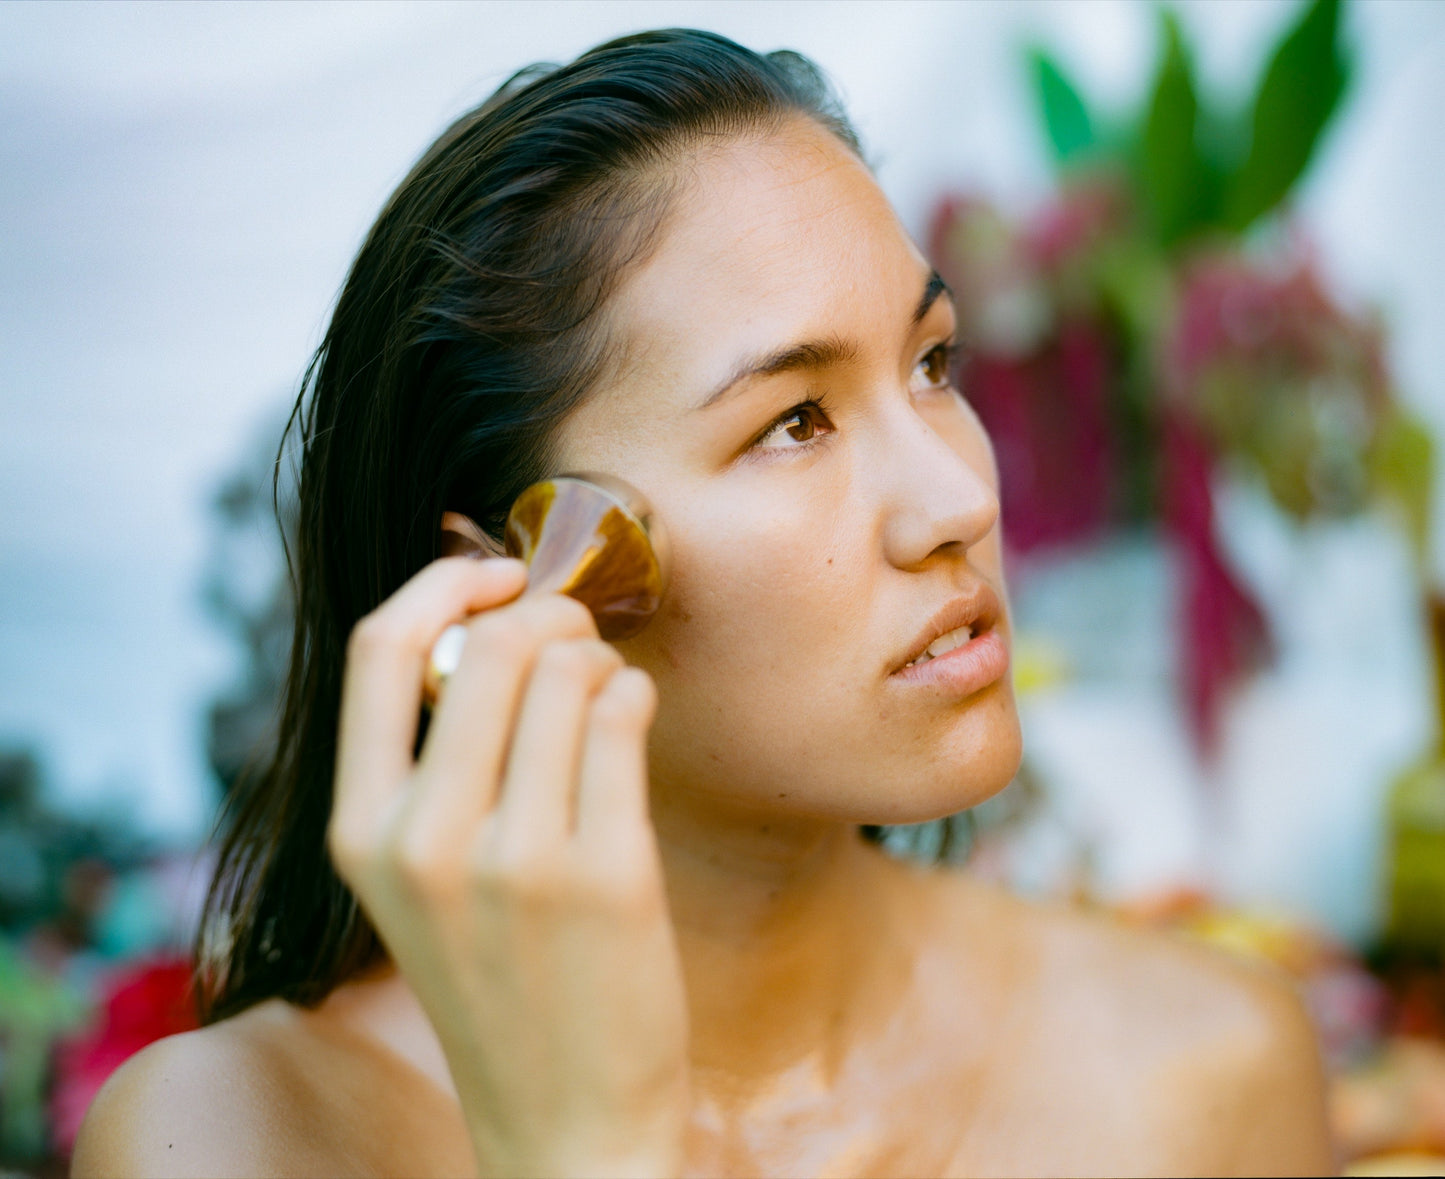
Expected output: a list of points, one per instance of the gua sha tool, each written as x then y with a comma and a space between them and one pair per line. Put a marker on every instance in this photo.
591, 537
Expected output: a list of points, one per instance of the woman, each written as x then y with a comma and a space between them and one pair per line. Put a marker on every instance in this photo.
610, 913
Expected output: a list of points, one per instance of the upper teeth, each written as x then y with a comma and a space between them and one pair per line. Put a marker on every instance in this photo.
944, 643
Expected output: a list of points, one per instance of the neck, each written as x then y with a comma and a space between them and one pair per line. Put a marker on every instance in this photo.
777, 921
781, 928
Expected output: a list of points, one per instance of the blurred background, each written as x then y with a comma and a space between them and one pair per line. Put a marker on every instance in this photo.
1196, 247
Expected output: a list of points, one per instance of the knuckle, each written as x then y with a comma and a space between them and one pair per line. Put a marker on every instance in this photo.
418, 866
567, 615
609, 712
625, 705
490, 878
456, 573
537, 887
514, 633
348, 851
374, 633
521, 874
500, 635
606, 656
625, 888
455, 568
565, 660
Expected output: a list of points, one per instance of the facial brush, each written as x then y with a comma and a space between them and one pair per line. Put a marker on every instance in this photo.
591, 537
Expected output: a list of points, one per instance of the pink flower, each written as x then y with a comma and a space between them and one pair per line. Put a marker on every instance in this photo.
1048, 417
1086, 213
1276, 372
1225, 632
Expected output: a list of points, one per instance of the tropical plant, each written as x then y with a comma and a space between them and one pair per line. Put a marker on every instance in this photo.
1162, 315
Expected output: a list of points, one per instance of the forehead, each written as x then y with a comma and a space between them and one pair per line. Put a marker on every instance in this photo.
768, 238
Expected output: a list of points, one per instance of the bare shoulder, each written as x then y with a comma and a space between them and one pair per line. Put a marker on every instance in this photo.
224, 1100
1203, 1062
1242, 1077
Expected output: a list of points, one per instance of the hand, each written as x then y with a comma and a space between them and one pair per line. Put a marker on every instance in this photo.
512, 871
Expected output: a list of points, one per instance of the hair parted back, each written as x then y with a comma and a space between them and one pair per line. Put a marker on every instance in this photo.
467, 328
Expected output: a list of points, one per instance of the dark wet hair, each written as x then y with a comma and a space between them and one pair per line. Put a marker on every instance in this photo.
467, 329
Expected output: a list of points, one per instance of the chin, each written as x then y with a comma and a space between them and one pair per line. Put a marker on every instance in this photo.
887, 772
976, 759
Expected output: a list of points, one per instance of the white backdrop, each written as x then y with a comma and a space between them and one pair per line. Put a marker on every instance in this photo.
182, 187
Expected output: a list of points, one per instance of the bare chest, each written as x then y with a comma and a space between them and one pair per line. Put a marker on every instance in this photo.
939, 1098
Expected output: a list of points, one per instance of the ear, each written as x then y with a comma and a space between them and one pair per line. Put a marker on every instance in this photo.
461, 537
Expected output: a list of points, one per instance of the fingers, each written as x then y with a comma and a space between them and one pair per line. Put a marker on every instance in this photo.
381, 689
541, 731
612, 814
534, 814
461, 767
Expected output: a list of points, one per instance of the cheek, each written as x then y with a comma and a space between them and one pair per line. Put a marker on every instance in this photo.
759, 644
769, 661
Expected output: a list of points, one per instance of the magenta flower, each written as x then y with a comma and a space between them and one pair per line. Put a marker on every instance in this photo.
143, 1002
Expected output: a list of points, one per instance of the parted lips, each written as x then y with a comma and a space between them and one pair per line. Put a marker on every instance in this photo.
591, 537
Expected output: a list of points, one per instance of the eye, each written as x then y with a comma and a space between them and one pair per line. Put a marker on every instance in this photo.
936, 365
804, 423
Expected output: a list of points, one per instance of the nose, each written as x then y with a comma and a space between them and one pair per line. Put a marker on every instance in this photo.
940, 493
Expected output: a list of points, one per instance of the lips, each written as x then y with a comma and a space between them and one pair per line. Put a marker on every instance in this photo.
961, 672
977, 610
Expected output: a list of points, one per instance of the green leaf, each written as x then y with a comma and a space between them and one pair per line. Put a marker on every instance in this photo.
1066, 118
1172, 176
1402, 463
1298, 94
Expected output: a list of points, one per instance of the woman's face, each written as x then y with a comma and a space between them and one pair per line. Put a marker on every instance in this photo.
783, 400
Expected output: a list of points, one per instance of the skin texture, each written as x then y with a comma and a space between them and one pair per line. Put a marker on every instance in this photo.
736, 983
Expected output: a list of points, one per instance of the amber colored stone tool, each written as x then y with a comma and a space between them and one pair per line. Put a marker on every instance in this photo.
591, 537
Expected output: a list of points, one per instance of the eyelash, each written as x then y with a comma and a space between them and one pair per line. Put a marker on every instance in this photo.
945, 355
814, 405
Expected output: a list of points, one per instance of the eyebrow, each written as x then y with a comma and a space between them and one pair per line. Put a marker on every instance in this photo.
936, 286
815, 354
